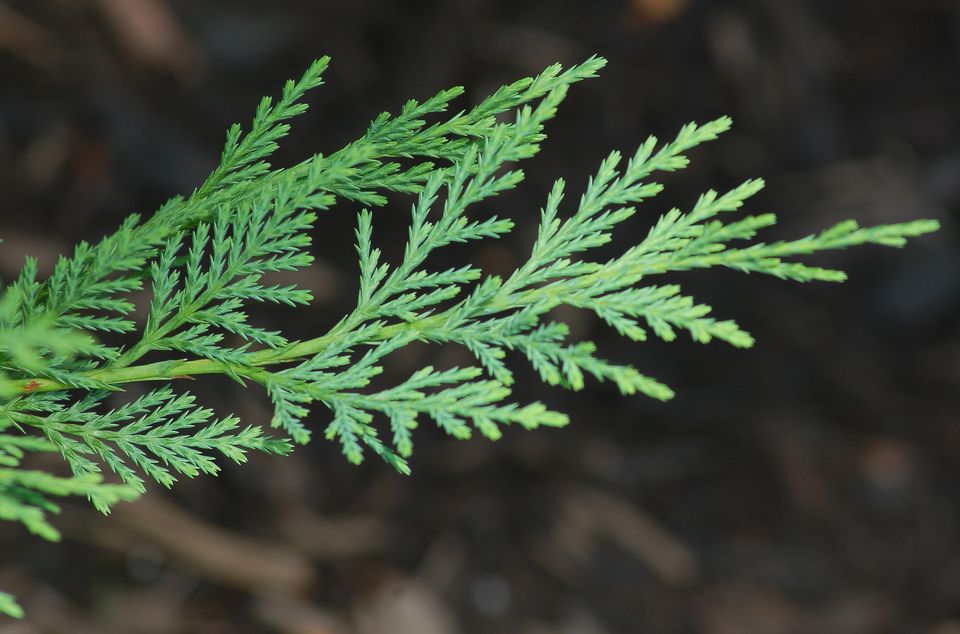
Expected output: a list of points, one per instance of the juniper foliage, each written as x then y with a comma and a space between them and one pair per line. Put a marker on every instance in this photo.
206, 258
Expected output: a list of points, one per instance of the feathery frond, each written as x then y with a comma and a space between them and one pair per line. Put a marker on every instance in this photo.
205, 258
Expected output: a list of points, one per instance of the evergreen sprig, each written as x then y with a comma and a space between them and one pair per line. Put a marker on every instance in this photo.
206, 257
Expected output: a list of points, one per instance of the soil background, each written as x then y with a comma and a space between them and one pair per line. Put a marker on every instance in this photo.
807, 485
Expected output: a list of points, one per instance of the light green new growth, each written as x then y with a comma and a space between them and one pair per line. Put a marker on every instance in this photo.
205, 258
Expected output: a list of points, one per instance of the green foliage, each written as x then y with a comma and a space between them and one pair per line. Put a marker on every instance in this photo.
205, 258
25, 493
9, 606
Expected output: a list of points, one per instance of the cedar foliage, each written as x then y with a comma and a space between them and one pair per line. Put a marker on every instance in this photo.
203, 259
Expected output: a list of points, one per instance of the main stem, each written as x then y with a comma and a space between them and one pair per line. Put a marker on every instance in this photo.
255, 361
114, 377
184, 369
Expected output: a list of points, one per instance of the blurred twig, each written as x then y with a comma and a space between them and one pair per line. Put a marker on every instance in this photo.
25, 38
150, 32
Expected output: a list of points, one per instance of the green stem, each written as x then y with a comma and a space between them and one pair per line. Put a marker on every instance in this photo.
116, 376
185, 369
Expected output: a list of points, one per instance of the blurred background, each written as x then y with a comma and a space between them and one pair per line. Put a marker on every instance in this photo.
807, 485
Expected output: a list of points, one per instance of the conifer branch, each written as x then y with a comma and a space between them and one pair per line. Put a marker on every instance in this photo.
203, 260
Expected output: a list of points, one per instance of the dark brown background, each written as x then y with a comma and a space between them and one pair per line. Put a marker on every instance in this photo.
807, 485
